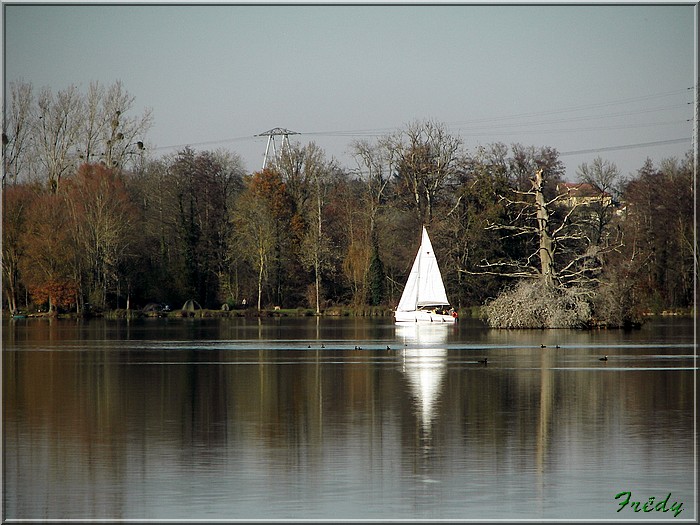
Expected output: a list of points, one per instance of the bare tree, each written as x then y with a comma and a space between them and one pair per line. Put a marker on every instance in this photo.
562, 254
602, 177
541, 298
93, 125
315, 244
532, 220
291, 164
427, 156
53, 133
557, 252
376, 163
123, 136
16, 133
57, 129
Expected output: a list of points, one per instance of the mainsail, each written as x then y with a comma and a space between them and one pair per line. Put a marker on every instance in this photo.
424, 287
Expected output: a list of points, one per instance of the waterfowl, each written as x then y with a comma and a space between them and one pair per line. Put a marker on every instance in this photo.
543, 346
603, 358
484, 361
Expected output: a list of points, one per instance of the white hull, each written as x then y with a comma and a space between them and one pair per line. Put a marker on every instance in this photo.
422, 316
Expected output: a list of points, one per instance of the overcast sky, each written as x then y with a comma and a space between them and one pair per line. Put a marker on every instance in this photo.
613, 81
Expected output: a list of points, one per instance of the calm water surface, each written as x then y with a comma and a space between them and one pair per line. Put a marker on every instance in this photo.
343, 419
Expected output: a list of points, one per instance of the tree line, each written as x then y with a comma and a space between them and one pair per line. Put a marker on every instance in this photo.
91, 220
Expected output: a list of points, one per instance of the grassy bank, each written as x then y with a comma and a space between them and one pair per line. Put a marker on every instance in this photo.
336, 311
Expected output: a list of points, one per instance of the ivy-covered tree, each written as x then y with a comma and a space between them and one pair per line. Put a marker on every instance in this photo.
204, 186
484, 176
377, 279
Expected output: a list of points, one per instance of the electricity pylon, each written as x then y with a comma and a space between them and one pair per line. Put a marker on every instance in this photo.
271, 134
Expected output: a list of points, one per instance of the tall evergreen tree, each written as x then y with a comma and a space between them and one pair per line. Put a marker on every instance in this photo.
377, 277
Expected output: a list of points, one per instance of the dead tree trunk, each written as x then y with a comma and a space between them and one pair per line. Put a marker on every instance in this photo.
545, 251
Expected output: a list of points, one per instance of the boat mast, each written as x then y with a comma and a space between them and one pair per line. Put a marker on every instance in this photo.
420, 257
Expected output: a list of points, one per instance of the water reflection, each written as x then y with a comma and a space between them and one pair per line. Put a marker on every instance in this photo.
285, 419
424, 362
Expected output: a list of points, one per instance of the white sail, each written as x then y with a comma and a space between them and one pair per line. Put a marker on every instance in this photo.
424, 287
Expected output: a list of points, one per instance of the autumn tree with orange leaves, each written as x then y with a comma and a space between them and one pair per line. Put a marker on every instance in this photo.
48, 267
16, 203
261, 218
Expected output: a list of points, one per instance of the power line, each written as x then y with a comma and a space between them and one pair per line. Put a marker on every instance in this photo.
571, 130
207, 143
574, 108
583, 118
374, 132
627, 146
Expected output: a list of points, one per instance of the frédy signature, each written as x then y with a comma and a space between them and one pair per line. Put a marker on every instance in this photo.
649, 505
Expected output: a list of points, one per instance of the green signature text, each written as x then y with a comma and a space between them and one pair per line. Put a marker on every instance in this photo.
650, 505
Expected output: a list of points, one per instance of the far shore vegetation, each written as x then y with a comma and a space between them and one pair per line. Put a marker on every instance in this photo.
95, 224
346, 311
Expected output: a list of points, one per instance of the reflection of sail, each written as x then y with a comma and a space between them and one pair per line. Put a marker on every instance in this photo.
424, 360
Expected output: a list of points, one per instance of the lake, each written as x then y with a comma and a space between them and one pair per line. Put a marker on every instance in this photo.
342, 419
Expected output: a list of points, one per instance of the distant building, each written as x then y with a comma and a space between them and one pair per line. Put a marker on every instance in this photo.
582, 194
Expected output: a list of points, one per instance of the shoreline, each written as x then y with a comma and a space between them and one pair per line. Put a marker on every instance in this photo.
332, 312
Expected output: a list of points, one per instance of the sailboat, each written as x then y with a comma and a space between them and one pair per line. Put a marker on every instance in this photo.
424, 299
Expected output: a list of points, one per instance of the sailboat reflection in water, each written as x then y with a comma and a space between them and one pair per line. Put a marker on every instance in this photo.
423, 360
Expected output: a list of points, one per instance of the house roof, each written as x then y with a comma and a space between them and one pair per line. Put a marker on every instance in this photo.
579, 189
